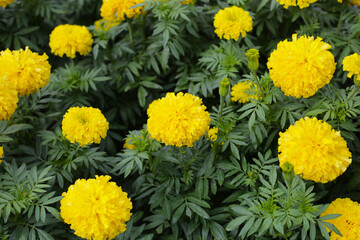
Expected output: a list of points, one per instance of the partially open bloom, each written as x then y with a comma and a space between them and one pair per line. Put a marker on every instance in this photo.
1, 153
178, 119
300, 3
302, 66
240, 92
128, 145
212, 133
96, 208
349, 221
26, 70
117, 10
231, 22
105, 25
316, 151
8, 99
352, 65
84, 125
70, 39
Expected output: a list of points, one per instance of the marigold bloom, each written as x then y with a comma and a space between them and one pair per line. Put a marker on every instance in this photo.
349, 221
26, 70
96, 208
231, 22
300, 3
8, 99
69, 39
116, 10
240, 92
178, 119
212, 133
4, 3
316, 151
1, 153
354, 2
352, 65
129, 145
84, 125
105, 25
302, 66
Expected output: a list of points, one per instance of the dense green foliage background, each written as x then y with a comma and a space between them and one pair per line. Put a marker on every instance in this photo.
233, 190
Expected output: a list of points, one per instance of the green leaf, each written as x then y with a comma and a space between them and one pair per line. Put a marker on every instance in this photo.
198, 210
235, 223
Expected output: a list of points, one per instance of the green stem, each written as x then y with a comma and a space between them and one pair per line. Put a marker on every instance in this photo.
130, 33
339, 22
221, 107
253, 72
352, 93
143, 25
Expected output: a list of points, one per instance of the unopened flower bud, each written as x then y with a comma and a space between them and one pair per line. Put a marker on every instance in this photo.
253, 59
288, 172
224, 87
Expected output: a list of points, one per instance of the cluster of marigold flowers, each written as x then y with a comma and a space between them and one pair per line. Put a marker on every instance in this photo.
299, 67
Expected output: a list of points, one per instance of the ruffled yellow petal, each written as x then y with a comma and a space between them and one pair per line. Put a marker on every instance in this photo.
316, 151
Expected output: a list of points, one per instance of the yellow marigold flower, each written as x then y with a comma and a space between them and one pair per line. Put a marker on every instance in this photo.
231, 22
300, 3
8, 99
84, 125
4, 3
105, 25
129, 145
26, 70
178, 119
96, 208
316, 151
212, 133
116, 10
354, 2
352, 65
240, 92
349, 221
302, 66
69, 39
1, 153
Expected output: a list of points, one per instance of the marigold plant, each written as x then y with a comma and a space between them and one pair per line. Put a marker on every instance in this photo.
178, 120
69, 40
302, 66
26, 70
84, 125
232, 22
316, 151
96, 208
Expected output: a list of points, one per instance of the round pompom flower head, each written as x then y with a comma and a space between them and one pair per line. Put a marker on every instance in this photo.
70, 39
299, 3
352, 65
84, 125
230, 22
316, 151
96, 208
8, 99
301, 67
26, 70
349, 221
240, 92
4, 3
117, 10
178, 119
